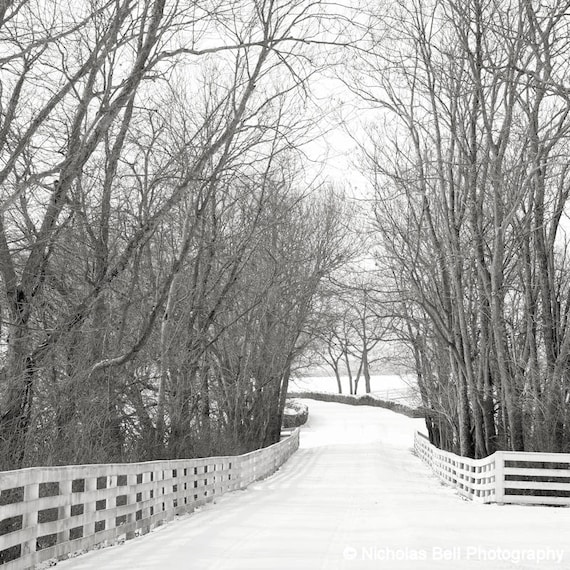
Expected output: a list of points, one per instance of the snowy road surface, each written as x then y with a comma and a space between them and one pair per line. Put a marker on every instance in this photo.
353, 498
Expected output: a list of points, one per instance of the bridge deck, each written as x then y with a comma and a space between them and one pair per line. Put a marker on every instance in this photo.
353, 497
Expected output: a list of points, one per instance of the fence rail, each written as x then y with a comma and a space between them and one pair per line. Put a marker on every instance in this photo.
49, 512
504, 477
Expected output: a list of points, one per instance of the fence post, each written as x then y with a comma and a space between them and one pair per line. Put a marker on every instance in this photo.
30, 517
499, 477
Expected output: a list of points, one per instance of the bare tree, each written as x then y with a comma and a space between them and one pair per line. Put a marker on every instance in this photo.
151, 122
471, 191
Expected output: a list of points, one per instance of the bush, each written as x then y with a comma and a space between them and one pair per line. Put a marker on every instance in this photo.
295, 414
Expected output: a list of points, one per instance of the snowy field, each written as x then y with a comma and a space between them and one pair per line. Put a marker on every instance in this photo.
352, 498
386, 387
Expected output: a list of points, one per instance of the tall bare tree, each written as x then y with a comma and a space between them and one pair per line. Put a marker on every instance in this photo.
471, 190
149, 120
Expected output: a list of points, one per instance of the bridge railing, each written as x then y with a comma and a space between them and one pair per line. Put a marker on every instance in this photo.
474, 479
49, 512
504, 477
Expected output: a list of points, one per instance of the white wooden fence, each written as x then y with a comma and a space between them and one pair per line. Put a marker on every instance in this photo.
49, 512
504, 477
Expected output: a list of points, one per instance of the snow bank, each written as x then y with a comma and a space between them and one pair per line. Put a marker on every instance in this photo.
363, 400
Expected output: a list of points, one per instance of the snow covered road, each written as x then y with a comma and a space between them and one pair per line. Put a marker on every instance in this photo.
353, 498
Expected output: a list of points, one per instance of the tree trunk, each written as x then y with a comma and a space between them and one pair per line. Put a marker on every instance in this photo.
366, 370
349, 372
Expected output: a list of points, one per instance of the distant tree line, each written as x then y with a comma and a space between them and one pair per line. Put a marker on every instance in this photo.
353, 327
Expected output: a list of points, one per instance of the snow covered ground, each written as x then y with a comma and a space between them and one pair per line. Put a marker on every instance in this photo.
353, 498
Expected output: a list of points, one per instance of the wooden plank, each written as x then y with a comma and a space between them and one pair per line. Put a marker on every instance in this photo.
530, 500
537, 485
533, 472
536, 456
16, 509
